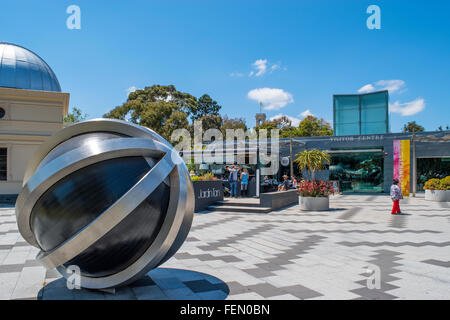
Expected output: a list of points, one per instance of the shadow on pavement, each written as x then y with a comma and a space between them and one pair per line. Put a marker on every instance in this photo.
158, 284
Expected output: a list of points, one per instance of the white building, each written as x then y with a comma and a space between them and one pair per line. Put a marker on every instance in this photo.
32, 108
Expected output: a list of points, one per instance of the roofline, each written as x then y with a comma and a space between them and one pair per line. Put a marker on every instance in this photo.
360, 94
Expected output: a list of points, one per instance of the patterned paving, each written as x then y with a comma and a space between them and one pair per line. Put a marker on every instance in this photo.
287, 254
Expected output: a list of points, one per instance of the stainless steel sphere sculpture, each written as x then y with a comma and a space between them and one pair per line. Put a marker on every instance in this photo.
110, 197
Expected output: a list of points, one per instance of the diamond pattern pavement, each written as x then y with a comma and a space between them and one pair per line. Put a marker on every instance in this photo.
287, 254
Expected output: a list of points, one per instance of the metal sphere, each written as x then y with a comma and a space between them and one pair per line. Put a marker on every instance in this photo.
110, 197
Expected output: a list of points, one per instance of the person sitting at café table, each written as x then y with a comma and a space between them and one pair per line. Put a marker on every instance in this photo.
285, 185
294, 182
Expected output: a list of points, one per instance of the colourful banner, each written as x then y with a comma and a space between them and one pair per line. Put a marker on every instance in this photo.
402, 164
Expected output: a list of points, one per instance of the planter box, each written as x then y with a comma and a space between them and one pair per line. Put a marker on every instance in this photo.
437, 195
315, 203
207, 193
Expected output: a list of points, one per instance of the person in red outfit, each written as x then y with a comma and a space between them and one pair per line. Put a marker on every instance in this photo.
396, 195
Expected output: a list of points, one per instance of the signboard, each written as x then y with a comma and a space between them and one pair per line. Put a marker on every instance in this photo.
402, 164
207, 193
285, 161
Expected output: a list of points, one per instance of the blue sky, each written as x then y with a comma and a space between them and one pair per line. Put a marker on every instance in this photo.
293, 55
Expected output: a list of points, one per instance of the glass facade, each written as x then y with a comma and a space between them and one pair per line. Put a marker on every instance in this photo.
361, 114
358, 171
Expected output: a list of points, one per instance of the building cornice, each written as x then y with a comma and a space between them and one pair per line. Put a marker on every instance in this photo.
36, 97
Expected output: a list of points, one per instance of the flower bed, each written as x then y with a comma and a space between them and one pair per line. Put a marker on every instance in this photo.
315, 188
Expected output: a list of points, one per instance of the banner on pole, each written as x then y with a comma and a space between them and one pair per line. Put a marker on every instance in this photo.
402, 158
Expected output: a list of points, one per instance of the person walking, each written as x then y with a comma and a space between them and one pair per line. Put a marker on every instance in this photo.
396, 195
244, 183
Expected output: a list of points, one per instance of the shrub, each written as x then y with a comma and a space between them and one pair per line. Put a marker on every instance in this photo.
208, 176
315, 188
432, 184
445, 183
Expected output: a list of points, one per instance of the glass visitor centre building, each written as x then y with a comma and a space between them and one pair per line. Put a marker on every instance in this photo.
362, 148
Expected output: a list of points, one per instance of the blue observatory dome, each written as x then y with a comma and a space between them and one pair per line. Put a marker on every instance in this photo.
22, 69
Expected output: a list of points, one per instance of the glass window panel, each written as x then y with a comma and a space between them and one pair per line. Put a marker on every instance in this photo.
347, 116
358, 172
374, 100
373, 127
346, 102
373, 115
347, 129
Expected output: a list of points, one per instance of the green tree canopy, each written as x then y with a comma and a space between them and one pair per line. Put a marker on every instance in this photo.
313, 127
161, 108
205, 106
232, 123
165, 109
75, 116
413, 126
211, 122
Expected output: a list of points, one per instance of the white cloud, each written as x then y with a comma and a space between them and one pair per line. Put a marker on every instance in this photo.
295, 121
272, 99
131, 89
408, 108
236, 74
306, 113
367, 88
261, 67
274, 67
390, 85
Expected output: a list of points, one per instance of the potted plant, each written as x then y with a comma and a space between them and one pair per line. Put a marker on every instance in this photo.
438, 189
314, 195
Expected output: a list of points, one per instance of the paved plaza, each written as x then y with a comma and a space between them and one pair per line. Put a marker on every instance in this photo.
287, 254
